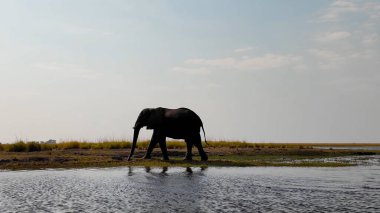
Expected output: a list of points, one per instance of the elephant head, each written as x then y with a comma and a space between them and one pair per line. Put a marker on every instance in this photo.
151, 118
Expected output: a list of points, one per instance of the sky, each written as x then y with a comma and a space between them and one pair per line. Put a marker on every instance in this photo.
258, 71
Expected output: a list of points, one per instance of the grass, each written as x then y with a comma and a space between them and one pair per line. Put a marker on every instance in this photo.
21, 146
80, 154
107, 158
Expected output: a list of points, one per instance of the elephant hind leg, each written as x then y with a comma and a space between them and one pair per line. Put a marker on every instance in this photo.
164, 150
198, 144
189, 145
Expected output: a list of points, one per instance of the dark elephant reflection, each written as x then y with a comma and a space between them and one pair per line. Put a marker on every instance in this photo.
147, 169
163, 172
158, 186
130, 170
188, 170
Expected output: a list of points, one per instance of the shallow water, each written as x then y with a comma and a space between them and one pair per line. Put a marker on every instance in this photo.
276, 189
349, 147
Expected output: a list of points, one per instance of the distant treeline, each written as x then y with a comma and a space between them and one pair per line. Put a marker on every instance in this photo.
22, 146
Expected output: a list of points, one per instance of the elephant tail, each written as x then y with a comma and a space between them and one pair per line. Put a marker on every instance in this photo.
204, 133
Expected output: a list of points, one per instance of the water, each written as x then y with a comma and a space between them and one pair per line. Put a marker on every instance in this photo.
368, 148
255, 189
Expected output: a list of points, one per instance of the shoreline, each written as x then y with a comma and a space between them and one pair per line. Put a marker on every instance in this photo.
224, 156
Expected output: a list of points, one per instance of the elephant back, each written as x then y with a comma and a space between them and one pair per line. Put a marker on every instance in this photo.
183, 117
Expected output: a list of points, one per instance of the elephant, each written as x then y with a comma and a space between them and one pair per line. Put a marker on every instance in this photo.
181, 123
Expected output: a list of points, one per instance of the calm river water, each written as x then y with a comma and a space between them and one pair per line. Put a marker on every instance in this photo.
255, 189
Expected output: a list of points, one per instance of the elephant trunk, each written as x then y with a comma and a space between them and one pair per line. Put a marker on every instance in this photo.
135, 136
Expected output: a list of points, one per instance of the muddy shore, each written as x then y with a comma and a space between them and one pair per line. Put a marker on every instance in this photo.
222, 156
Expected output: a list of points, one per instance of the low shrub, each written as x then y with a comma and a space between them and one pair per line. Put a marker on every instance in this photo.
17, 147
69, 145
33, 147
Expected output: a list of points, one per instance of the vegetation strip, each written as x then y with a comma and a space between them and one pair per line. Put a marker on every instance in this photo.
74, 154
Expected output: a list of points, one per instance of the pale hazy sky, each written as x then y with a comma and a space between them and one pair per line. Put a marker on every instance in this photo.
253, 70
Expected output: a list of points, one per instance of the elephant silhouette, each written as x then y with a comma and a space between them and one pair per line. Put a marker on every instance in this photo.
181, 123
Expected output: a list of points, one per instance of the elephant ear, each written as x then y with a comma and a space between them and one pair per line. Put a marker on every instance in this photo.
156, 118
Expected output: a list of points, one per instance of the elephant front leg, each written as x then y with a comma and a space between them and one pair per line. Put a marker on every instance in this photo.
152, 144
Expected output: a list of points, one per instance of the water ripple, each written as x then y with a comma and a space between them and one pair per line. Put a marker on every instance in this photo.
348, 189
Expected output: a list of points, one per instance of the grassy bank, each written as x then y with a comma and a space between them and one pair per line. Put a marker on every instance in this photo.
22, 146
75, 154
